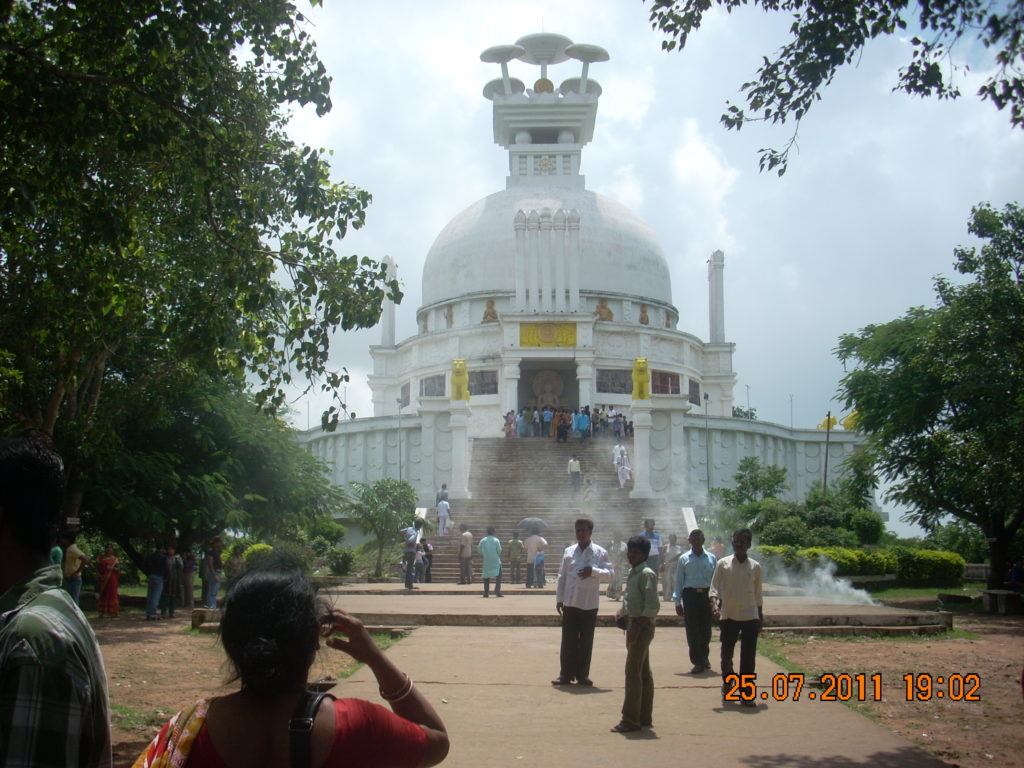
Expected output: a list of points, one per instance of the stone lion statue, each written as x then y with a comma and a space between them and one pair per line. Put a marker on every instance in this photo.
460, 380
641, 379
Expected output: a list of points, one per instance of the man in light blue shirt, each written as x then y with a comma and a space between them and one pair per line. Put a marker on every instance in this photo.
693, 599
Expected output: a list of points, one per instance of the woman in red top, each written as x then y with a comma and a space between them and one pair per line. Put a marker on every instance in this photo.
271, 628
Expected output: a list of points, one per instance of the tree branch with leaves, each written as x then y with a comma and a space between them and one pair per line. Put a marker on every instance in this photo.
829, 35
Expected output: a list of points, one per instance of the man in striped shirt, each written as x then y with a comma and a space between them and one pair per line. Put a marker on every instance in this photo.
53, 689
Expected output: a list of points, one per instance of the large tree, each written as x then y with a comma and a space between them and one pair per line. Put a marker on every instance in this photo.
156, 222
195, 462
832, 34
940, 391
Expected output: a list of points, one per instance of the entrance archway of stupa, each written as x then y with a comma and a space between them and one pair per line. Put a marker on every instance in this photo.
548, 382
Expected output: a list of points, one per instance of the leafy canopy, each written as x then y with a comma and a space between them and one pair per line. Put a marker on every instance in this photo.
829, 35
155, 218
201, 461
940, 392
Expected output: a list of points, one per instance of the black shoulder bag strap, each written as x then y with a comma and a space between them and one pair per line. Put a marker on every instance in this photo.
300, 729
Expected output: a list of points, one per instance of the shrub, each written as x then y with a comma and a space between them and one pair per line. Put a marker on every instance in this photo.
765, 512
849, 562
764, 552
823, 516
321, 546
867, 525
831, 537
340, 561
790, 531
254, 553
929, 568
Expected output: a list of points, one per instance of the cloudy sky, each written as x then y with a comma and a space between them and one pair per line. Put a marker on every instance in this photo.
868, 212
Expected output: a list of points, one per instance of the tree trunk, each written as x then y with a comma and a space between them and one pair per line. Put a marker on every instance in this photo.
380, 559
998, 553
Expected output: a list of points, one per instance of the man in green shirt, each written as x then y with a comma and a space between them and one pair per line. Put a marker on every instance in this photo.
53, 689
515, 556
640, 604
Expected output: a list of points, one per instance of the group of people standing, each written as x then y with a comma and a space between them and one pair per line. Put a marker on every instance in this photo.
706, 587
170, 577
561, 423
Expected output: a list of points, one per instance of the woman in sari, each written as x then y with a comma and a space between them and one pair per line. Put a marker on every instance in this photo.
271, 628
109, 570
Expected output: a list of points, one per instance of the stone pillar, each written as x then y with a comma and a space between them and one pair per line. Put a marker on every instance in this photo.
585, 380
547, 271
640, 414
459, 413
519, 226
573, 258
680, 448
533, 261
509, 386
558, 258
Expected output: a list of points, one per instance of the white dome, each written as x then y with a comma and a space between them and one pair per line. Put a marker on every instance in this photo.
475, 253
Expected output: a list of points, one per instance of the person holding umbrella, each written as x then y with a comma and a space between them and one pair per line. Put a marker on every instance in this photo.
535, 544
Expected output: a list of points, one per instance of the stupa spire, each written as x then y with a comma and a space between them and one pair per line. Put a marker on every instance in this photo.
544, 129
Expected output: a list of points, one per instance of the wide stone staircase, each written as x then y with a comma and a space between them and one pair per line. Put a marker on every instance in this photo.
514, 478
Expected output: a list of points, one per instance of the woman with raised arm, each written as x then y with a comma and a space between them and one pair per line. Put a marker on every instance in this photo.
271, 628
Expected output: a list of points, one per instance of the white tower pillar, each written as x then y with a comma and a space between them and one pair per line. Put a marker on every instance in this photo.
716, 297
387, 315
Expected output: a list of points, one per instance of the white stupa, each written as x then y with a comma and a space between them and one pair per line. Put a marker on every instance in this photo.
549, 293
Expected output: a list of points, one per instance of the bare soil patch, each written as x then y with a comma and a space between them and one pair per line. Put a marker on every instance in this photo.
983, 733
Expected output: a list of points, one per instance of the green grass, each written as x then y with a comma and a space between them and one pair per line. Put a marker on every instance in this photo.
130, 719
774, 649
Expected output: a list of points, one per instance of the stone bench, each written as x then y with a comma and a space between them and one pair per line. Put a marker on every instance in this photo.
1002, 601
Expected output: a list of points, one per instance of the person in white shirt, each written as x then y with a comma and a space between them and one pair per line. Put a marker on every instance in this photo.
584, 565
443, 510
736, 591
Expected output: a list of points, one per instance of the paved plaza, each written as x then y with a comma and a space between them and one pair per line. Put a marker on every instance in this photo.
492, 686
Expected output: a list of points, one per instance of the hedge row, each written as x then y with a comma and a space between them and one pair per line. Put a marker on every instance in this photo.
913, 567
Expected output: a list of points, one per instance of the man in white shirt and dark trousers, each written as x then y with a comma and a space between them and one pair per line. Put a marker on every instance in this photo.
584, 565
736, 587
